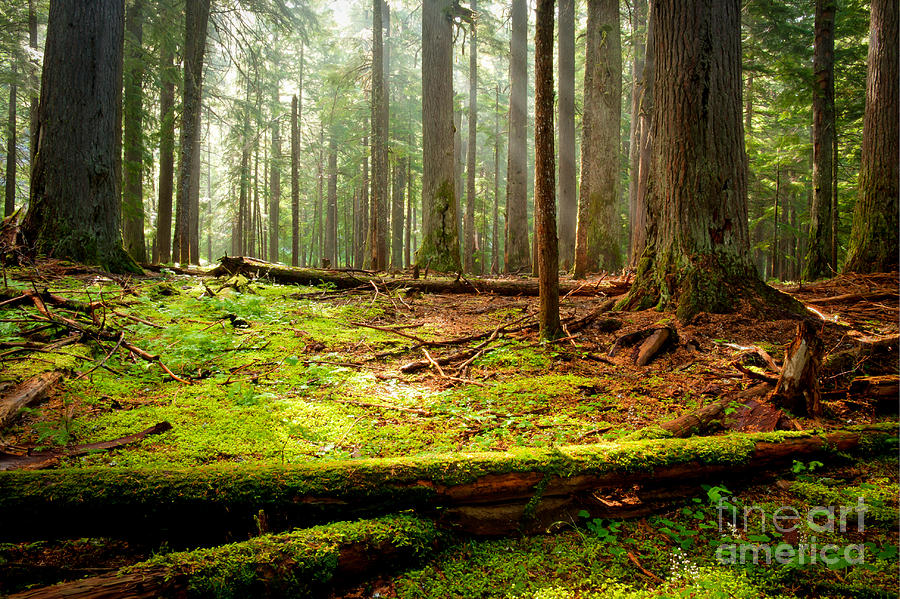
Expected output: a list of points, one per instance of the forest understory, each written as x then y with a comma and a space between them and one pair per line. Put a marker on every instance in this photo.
485, 462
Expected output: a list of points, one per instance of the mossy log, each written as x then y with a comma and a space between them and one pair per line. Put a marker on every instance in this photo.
290, 275
483, 493
302, 563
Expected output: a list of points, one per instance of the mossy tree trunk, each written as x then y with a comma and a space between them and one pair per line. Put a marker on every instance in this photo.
545, 173
873, 238
439, 249
133, 137
517, 252
597, 229
697, 256
817, 262
75, 183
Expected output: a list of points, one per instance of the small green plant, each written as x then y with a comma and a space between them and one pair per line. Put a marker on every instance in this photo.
606, 531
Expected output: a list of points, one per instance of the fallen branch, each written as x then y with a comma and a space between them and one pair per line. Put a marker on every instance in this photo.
45, 459
302, 563
31, 391
483, 493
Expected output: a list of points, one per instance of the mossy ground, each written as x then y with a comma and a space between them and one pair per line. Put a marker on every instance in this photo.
282, 375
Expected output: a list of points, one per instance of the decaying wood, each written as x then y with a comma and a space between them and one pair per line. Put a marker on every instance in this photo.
341, 279
798, 386
295, 564
651, 346
47, 459
879, 386
484, 493
875, 296
710, 416
26, 394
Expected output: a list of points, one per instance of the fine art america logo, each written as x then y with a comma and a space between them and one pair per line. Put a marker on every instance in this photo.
787, 523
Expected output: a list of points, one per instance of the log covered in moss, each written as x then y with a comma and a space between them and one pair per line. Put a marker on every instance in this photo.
483, 493
302, 563
344, 279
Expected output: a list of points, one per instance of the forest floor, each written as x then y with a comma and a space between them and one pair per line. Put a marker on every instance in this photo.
287, 375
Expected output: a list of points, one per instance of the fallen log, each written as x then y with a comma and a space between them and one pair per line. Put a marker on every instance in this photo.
302, 563
31, 391
875, 296
343, 279
46, 459
709, 418
483, 493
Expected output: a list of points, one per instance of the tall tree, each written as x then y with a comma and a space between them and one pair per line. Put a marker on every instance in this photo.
195, 29
597, 229
10, 203
398, 180
873, 240
495, 231
645, 143
33, 44
75, 183
378, 224
330, 251
167, 76
545, 173
638, 34
517, 254
470, 154
275, 182
697, 256
440, 233
568, 201
133, 133
818, 257
295, 178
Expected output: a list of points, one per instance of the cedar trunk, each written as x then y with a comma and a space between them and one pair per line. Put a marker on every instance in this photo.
439, 249
818, 256
133, 109
399, 185
470, 155
517, 251
635, 214
597, 230
697, 256
378, 220
873, 238
545, 172
196, 23
168, 76
331, 206
10, 204
295, 181
75, 184
568, 202
275, 184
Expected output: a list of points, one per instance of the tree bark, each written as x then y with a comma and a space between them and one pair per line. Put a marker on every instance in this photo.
34, 87
11, 146
75, 184
399, 186
471, 151
295, 180
365, 257
517, 252
25, 394
817, 261
568, 201
439, 249
331, 206
645, 141
697, 256
495, 232
168, 75
275, 183
133, 134
635, 215
545, 173
196, 24
378, 222
597, 231
873, 238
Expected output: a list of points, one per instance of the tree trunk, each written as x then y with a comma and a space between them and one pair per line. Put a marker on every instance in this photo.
295, 180
196, 23
818, 257
168, 75
439, 249
365, 255
331, 207
597, 230
10, 203
545, 172
75, 184
873, 238
645, 141
133, 135
320, 197
301, 563
378, 223
775, 257
495, 233
698, 255
517, 252
34, 86
469, 252
399, 184
568, 202
275, 183
638, 36
407, 253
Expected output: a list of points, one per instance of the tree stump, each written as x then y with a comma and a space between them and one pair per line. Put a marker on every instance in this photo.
798, 389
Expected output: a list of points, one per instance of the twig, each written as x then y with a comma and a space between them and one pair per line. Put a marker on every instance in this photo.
105, 358
433, 363
635, 561
366, 404
138, 319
